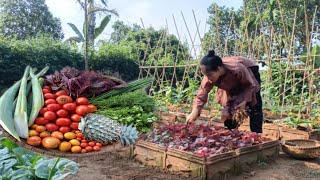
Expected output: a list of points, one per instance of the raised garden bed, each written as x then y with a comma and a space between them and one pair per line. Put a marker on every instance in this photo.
211, 167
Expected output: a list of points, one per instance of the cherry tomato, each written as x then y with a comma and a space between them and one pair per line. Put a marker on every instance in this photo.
80, 135
96, 148
92, 108
43, 110
89, 148
69, 106
50, 101
74, 125
77, 131
62, 113
49, 96
45, 91
84, 145
82, 101
64, 129
75, 118
41, 121
99, 144
92, 143
52, 127
63, 121
63, 99
79, 139
84, 141
49, 115
53, 107
82, 110
61, 92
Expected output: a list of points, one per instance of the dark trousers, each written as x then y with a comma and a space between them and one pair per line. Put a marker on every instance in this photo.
256, 114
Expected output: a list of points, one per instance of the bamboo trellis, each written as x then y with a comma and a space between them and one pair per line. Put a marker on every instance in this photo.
258, 46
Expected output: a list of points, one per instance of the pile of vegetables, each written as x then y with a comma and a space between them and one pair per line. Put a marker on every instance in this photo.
46, 112
19, 163
202, 140
58, 121
134, 107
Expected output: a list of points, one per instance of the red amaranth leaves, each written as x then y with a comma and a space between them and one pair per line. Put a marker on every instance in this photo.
202, 140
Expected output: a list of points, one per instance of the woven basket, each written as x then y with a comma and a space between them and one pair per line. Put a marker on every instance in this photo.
302, 148
56, 153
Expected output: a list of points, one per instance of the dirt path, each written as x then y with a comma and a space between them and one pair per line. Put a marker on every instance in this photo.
111, 167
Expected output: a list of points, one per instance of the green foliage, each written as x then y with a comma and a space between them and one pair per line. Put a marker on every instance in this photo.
136, 98
135, 108
28, 18
19, 163
15, 55
118, 60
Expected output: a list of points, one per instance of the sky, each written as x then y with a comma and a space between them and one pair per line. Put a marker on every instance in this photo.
152, 12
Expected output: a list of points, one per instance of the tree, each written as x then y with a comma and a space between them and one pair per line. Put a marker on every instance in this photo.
28, 18
90, 32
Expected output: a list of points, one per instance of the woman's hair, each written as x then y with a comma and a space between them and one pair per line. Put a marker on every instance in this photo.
211, 61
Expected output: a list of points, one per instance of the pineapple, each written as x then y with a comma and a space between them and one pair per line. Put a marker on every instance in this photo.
101, 129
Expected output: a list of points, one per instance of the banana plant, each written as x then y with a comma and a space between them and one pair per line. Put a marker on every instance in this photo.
90, 32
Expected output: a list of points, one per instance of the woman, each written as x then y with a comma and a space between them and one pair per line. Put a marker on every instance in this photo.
238, 81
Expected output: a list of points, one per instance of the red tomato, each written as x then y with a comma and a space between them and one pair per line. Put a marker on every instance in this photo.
53, 107
84, 145
82, 110
52, 127
89, 148
99, 144
82, 101
45, 91
79, 139
96, 148
77, 131
41, 121
62, 92
84, 141
43, 110
75, 118
64, 129
62, 113
92, 108
50, 101
49, 115
69, 106
49, 96
63, 121
74, 125
47, 87
63, 99
80, 135
83, 151
92, 143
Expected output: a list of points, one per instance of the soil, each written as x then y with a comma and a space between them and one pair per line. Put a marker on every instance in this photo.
116, 168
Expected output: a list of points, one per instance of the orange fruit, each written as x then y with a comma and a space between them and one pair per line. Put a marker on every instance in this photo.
69, 135
40, 129
45, 134
74, 142
50, 142
34, 126
33, 133
34, 141
57, 134
75, 149
65, 146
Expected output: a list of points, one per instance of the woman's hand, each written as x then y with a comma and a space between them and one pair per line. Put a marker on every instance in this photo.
192, 117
